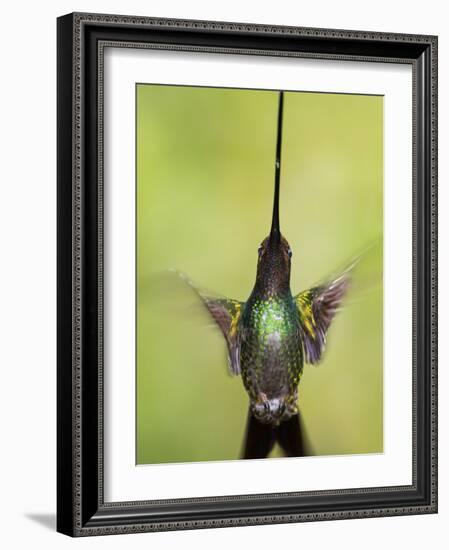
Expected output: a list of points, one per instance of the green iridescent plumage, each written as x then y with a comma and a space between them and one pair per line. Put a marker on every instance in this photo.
271, 356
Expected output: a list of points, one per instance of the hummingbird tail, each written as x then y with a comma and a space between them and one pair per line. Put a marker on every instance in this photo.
291, 438
260, 438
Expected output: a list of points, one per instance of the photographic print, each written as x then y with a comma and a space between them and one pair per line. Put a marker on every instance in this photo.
247, 274
259, 296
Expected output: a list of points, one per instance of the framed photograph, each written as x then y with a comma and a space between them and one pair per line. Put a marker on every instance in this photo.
247, 278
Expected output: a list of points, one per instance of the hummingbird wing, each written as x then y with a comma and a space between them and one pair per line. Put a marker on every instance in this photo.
318, 305
226, 314
317, 308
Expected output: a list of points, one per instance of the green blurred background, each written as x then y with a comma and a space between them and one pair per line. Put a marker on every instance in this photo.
205, 172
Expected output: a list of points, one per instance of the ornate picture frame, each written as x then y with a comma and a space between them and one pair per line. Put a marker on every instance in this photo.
81, 508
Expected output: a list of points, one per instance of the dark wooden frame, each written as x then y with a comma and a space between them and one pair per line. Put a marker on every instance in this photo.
81, 509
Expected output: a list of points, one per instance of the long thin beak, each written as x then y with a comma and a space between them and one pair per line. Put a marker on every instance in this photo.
275, 233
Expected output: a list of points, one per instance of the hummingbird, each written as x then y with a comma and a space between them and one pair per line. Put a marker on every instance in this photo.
273, 333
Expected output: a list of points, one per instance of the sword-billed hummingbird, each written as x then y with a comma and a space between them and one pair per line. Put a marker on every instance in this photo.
272, 334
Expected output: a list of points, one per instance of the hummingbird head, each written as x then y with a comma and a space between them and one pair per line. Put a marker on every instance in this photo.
273, 267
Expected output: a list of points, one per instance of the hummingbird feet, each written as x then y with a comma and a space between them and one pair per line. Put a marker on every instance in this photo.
265, 402
270, 411
262, 407
264, 399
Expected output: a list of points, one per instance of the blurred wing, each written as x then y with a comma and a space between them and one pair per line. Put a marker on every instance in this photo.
317, 307
226, 313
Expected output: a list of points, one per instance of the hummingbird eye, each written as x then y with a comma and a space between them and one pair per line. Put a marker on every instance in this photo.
259, 250
290, 253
